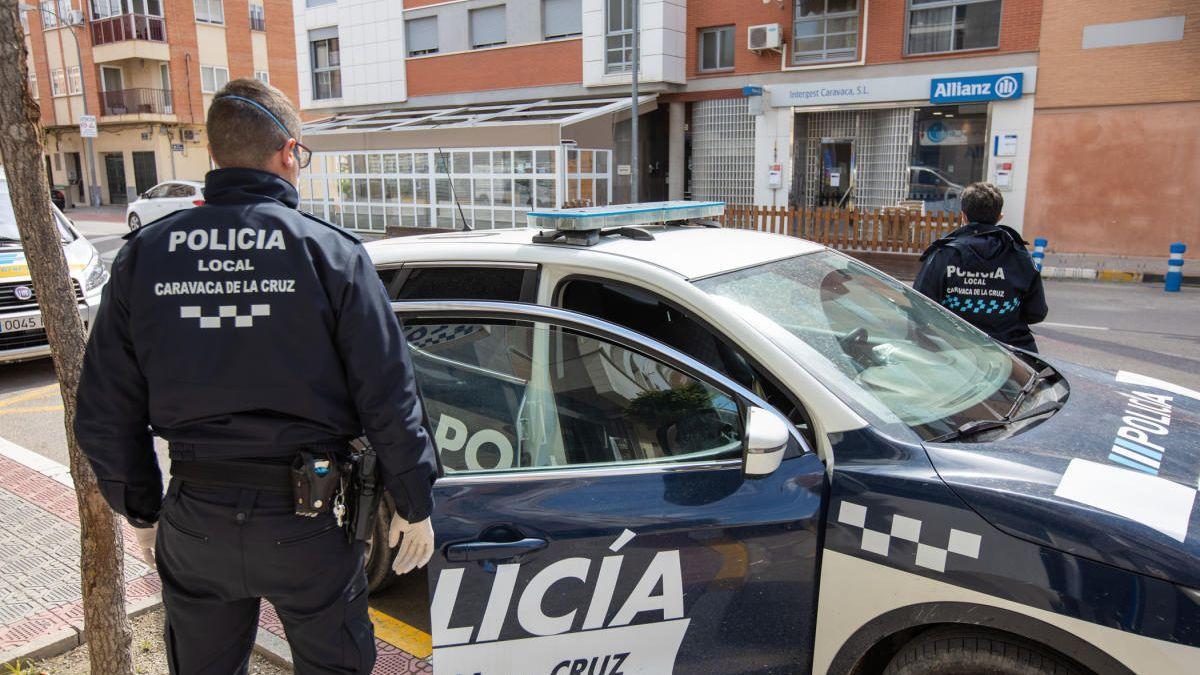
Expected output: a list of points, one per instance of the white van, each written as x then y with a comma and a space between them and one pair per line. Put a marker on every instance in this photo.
22, 336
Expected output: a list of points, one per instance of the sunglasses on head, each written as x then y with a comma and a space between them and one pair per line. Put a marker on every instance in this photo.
301, 152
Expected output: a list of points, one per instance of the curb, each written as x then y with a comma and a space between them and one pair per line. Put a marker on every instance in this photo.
273, 648
1117, 276
56, 644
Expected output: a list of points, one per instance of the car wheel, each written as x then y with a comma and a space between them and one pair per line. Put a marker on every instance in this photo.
134, 221
972, 651
378, 556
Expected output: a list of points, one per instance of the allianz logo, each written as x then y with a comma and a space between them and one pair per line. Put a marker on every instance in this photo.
658, 591
1004, 87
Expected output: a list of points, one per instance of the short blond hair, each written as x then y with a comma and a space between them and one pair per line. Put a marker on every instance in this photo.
239, 134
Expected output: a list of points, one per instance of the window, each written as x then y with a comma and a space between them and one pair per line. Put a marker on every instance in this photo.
952, 25
498, 403
212, 78
422, 35
258, 18
58, 82
716, 49
326, 63
180, 190
513, 284
74, 81
262, 76
318, 3
210, 11
102, 9
49, 14
825, 30
151, 7
33, 88
488, 28
618, 36
561, 19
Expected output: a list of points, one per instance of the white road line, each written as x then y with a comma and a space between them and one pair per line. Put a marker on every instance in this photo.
1072, 325
43, 465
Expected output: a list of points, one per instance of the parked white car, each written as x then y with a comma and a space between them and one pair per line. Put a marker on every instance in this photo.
163, 200
22, 335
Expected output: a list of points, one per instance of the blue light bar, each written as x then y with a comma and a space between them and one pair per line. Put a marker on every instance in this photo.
623, 215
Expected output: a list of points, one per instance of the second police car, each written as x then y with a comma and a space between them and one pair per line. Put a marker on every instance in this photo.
678, 448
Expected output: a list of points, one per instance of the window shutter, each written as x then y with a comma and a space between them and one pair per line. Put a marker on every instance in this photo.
562, 17
422, 34
488, 26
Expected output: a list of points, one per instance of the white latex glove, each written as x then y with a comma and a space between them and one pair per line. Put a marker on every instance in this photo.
145, 540
417, 548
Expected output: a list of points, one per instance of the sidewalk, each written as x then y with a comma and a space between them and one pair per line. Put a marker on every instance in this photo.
41, 608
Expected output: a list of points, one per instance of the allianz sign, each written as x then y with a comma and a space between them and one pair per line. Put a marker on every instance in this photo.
975, 88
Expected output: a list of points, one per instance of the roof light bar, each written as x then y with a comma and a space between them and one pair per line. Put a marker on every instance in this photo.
623, 215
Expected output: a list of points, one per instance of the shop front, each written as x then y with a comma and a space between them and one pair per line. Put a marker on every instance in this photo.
910, 141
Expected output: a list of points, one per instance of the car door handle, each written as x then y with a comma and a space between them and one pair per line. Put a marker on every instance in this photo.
493, 550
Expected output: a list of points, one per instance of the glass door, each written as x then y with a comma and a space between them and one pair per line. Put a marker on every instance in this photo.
836, 184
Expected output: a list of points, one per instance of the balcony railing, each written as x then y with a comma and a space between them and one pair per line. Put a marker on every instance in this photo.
128, 27
136, 102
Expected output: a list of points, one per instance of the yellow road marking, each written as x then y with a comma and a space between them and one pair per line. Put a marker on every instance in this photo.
29, 394
399, 634
36, 409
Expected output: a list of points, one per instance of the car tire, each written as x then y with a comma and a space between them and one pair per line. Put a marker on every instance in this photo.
972, 651
378, 556
134, 221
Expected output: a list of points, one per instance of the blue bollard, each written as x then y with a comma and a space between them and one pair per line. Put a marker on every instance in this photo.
1175, 268
1039, 252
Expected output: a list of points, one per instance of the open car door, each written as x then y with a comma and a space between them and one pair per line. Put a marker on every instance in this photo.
607, 504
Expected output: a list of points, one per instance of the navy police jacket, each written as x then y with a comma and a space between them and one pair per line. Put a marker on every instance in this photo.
244, 328
983, 274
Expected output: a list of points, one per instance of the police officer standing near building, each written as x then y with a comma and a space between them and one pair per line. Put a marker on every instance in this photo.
258, 341
983, 273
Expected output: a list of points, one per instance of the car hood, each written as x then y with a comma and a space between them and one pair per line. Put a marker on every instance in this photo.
1112, 476
15, 267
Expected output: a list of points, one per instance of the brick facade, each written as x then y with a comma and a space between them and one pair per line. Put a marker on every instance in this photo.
540, 64
281, 47
1020, 26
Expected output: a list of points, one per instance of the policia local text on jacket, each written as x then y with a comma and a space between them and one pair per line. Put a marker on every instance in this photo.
983, 274
245, 329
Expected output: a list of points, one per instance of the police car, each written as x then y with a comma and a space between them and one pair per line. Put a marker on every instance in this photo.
673, 447
22, 335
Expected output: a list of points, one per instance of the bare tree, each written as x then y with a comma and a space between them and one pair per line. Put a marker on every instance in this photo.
106, 626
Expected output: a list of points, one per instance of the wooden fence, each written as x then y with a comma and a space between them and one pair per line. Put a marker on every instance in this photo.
889, 230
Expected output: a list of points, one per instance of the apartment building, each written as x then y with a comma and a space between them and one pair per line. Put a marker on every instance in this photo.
147, 70
507, 105
1116, 156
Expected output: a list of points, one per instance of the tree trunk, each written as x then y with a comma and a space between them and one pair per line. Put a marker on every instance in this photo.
106, 627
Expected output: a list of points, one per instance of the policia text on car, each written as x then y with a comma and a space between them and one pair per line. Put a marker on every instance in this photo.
258, 374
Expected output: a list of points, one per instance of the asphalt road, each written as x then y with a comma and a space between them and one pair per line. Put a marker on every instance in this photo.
1134, 327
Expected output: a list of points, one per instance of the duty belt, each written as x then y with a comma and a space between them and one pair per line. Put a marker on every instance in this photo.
233, 473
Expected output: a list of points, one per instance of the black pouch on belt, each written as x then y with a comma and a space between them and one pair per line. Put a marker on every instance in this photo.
315, 480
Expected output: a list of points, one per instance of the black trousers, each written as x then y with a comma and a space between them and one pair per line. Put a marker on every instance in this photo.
221, 550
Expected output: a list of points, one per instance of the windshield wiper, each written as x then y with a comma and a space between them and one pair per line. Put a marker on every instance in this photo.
979, 426
1026, 390
9, 240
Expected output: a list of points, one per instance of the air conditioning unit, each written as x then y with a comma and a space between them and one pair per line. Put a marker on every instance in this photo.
74, 17
763, 36
191, 136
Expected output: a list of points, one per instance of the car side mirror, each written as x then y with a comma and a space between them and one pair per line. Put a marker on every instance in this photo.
144, 195
766, 441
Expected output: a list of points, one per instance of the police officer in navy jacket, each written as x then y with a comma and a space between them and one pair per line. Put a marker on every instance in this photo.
983, 273
245, 332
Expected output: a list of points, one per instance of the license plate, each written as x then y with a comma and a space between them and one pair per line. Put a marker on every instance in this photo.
20, 323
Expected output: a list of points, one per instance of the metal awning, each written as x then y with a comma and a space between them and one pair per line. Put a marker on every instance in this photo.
556, 112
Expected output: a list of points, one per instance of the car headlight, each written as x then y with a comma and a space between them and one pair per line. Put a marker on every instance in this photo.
94, 275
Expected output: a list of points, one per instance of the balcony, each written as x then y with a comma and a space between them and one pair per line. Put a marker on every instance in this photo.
130, 36
136, 105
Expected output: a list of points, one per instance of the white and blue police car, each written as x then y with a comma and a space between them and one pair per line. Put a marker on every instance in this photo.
672, 447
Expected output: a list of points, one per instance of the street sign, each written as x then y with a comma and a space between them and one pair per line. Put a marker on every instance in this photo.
87, 126
751, 90
177, 147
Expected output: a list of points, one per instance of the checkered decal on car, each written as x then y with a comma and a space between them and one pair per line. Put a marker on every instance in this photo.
908, 529
424, 337
225, 312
